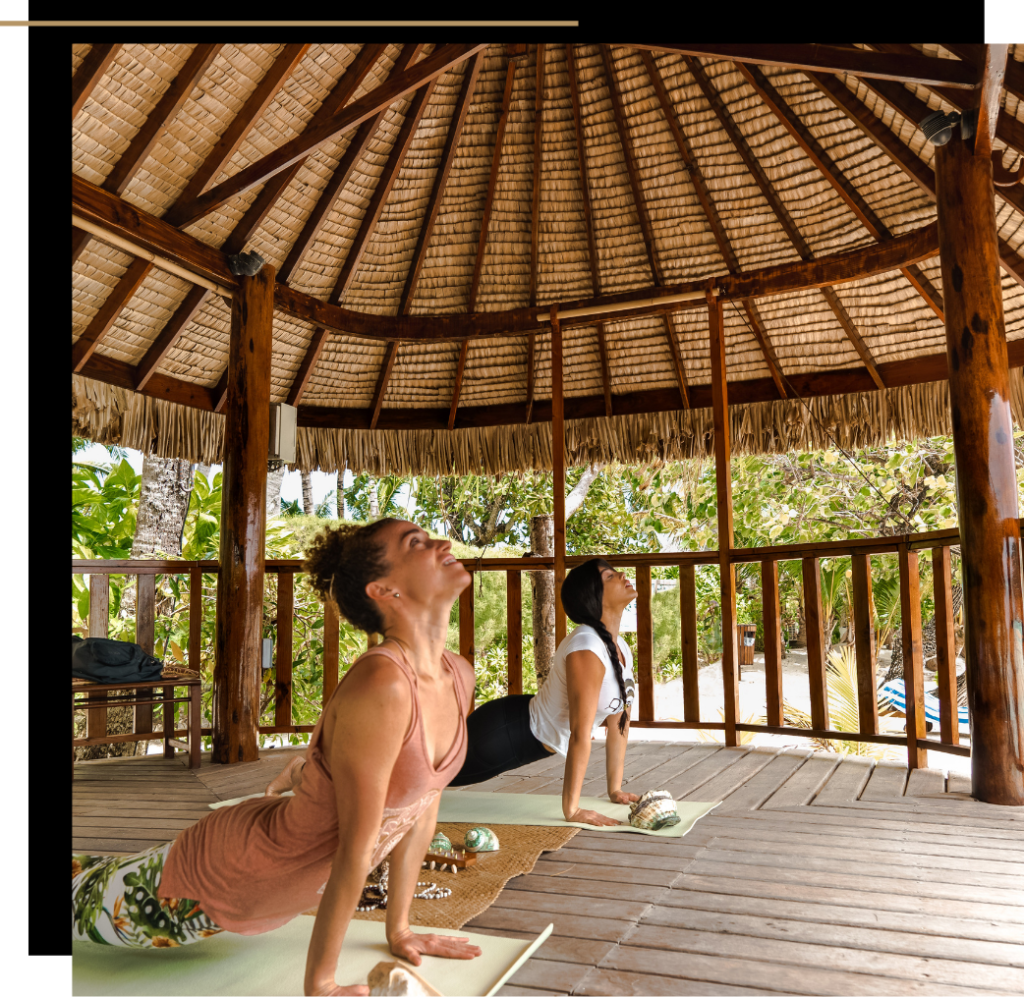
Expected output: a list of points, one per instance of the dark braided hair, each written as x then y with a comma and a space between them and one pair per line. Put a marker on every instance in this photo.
341, 563
582, 600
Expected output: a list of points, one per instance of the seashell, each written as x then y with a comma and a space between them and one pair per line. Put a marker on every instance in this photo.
391, 979
654, 811
481, 839
440, 843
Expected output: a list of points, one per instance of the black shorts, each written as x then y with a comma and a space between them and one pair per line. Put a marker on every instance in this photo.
499, 739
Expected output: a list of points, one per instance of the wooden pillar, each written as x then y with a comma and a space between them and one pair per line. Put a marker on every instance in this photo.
864, 636
283, 660
514, 642
771, 627
979, 395
558, 469
236, 675
723, 483
688, 617
644, 644
813, 617
913, 663
945, 646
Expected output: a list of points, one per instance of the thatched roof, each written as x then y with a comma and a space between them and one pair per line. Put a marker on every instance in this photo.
693, 168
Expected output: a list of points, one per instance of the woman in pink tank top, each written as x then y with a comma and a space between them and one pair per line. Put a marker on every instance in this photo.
391, 738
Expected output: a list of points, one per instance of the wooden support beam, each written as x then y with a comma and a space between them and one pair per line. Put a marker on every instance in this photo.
79, 240
160, 117
538, 132
96, 62
816, 638
338, 181
853, 334
921, 69
451, 145
581, 158
457, 390
104, 319
767, 350
688, 618
558, 469
387, 365
309, 359
606, 374
979, 395
531, 355
945, 645
236, 677
1013, 82
170, 334
723, 489
913, 671
677, 362
345, 121
514, 643
644, 645
864, 635
771, 626
283, 659
273, 188
243, 122
499, 137
632, 169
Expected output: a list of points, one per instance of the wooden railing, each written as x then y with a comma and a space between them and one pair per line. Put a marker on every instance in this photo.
905, 547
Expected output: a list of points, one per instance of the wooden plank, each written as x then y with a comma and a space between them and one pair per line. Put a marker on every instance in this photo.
383, 378
195, 620
688, 616
644, 644
697, 775
721, 786
753, 793
346, 120
536, 918
135, 823
945, 645
813, 620
609, 981
593, 889
802, 786
331, 633
770, 618
562, 977
867, 696
926, 782
560, 948
968, 813
103, 321
677, 360
913, 666
845, 783
544, 895
283, 659
514, 618
91, 70
595, 863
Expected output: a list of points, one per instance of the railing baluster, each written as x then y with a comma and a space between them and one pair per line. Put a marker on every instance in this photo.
514, 613
688, 615
864, 637
195, 619
331, 634
815, 643
644, 643
283, 662
145, 634
99, 626
467, 630
913, 670
771, 627
945, 646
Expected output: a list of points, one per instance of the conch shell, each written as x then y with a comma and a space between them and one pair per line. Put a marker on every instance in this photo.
481, 839
440, 843
653, 811
392, 978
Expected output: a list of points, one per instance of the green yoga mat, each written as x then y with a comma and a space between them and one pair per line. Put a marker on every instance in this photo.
463, 806
274, 963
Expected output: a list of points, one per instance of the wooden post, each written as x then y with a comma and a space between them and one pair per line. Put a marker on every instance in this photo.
864, 636
99, 626
145, 635
283, 661
558, 469
514, 615
644, 644
467, 629
195, 622
688, 616
815, 643
945, 646
913, 671
979, 396
723, 483
236, 677
771, 626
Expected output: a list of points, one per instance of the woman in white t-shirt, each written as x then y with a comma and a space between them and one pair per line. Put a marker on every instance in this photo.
590, 685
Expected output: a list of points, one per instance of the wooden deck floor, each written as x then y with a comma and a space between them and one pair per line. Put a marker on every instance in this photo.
816, 875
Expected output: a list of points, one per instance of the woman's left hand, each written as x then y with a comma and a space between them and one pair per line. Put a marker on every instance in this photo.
413, 947
620, 797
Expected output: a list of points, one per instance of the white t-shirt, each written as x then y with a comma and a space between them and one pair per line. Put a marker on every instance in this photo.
549, 709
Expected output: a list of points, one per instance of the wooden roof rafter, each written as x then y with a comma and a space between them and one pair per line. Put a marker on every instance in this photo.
781, 212
96, 332
93, 68
538, 134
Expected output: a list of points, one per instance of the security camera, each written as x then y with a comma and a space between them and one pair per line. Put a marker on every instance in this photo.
245, 264
938, 126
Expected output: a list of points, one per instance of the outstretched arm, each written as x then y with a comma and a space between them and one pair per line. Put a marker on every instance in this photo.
615, 760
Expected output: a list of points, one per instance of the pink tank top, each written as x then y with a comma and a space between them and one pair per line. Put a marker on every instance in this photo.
256, 865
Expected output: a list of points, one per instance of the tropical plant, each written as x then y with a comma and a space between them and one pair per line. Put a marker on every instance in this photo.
291, 508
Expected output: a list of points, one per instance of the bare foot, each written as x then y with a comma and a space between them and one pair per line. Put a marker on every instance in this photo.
290, 777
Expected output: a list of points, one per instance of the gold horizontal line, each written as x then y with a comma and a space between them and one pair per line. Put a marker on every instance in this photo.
290, 24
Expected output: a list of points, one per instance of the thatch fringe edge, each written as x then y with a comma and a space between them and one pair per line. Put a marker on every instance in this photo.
108, 414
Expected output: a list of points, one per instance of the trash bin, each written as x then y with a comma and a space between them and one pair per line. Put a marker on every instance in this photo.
745, 634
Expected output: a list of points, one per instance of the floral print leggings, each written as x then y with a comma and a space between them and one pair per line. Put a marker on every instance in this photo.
114, 902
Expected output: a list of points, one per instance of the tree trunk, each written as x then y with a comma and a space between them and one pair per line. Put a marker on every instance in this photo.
339, 500
542, 584
274, 482
307, 494
374, 507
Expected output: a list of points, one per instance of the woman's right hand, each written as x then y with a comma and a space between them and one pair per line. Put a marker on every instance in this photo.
593, 817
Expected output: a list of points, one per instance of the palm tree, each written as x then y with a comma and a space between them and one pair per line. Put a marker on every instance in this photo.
307, 493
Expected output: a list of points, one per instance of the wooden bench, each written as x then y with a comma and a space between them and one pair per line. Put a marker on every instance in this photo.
95, 698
